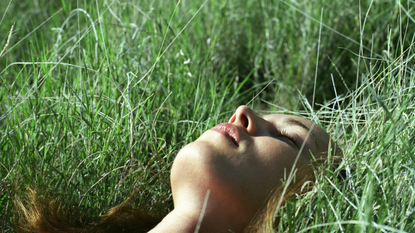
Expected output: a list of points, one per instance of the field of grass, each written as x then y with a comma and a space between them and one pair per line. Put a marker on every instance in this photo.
97, 97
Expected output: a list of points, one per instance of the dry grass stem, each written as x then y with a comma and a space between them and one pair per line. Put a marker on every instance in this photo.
7, 42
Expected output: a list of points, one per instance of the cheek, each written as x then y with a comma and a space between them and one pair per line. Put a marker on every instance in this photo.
276, 152
276, 159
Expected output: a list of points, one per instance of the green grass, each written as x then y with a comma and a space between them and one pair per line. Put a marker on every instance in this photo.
97, 97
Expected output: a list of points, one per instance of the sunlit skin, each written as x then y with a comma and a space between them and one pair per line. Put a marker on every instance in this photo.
238, 173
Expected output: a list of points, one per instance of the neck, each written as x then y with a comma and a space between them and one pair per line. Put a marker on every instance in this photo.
188, 220
176, 222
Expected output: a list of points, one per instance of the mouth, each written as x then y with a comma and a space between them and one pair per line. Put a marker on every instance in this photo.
228, 130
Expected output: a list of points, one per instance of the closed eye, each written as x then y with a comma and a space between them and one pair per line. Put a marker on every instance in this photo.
290, 138
284, 134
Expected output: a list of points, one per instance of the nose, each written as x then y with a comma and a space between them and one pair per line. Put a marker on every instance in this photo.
246, 118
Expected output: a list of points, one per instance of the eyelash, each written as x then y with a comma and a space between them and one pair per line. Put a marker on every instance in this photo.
282, 134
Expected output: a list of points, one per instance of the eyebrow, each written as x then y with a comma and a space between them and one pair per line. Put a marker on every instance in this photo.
294, 122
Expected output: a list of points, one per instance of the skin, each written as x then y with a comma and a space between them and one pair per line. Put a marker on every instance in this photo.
234, 181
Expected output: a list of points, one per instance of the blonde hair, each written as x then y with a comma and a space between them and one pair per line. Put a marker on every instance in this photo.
265, 219
46, 213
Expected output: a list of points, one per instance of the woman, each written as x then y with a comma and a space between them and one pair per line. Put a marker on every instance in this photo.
231, 175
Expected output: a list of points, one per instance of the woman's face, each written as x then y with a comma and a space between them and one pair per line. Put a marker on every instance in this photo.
245, 159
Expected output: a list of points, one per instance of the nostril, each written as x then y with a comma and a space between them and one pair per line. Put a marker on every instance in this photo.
244, 121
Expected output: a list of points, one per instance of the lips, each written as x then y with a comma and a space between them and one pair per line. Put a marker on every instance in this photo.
228, 130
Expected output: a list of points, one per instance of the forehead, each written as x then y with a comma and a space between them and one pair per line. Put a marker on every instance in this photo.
320, 136
280, 118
